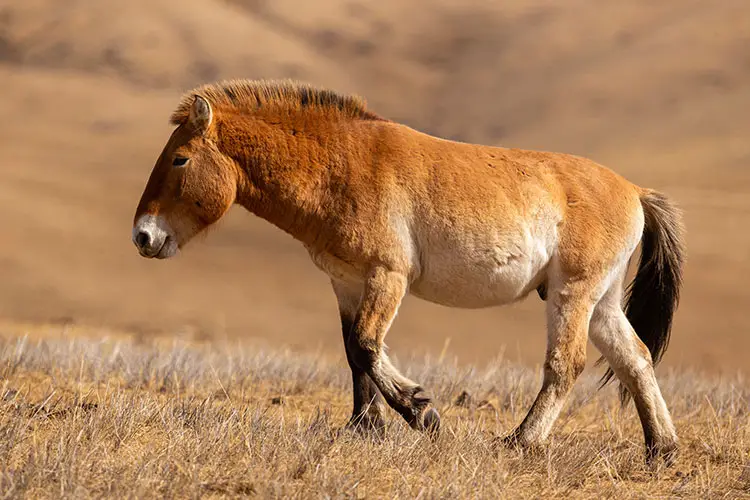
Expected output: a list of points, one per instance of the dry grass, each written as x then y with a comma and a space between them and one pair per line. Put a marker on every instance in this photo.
92, 418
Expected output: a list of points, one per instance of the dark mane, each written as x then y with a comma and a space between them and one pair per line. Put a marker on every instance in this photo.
251, 95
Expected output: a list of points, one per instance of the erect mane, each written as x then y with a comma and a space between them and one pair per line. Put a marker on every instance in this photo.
251, 95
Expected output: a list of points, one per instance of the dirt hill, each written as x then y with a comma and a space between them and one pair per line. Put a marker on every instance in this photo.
659, 92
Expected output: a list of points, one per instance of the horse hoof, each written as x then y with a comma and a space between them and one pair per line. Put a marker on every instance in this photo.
511, 441
431, 421
516, 441
668, 453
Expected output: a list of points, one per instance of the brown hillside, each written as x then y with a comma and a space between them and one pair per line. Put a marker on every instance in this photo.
659, 91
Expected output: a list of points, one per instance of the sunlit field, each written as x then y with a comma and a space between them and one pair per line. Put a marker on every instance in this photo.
82, 417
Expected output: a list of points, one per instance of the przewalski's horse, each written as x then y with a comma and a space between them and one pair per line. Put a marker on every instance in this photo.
385, 210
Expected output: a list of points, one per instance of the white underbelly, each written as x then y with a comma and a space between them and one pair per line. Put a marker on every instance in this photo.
486, 273
463, 269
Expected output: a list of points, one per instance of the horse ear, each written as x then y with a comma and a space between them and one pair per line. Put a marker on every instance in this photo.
200, 115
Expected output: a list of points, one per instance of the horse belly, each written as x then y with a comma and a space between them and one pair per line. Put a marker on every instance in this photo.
480, 274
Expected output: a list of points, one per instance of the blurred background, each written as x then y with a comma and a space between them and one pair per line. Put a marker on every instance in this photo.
657, 91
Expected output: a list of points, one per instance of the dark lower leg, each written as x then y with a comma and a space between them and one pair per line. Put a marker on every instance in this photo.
368, 404
406, 397
381, 298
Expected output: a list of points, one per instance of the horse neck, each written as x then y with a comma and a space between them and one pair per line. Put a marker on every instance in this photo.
286, 171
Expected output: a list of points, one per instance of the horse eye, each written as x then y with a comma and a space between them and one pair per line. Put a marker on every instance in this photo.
179, 161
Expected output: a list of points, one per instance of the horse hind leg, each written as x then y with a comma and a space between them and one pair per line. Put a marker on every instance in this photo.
568, 312
612, 334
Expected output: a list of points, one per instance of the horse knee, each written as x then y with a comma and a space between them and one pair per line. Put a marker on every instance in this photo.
363, 352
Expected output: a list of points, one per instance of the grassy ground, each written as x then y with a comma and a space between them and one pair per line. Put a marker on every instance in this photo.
91, 418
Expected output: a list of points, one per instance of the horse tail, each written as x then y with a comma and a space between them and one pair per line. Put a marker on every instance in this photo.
654, 294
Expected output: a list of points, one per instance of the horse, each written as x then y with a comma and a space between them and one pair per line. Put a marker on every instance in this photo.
386, 210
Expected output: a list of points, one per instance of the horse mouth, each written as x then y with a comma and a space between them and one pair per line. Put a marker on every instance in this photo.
168, 249
165, 251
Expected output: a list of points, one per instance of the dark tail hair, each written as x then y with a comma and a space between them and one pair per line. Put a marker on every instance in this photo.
654, 294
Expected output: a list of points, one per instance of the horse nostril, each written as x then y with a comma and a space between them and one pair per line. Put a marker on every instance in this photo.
142, 239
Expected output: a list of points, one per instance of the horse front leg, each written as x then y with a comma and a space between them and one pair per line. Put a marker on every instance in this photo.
368, 410
383, 291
